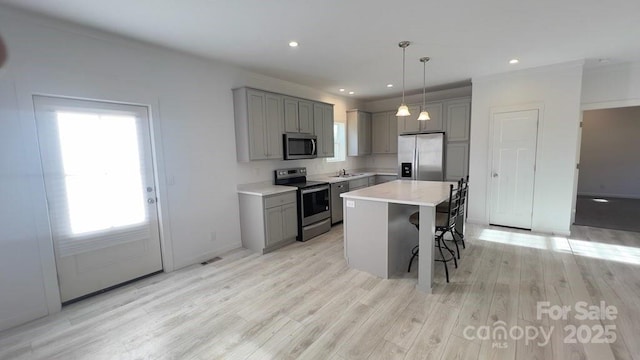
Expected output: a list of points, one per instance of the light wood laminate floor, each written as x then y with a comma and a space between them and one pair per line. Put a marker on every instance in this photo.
304, 302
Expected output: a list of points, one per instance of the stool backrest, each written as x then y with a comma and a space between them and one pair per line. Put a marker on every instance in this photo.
454, 206
463, 186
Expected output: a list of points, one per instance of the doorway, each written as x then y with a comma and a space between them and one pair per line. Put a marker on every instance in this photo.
608, 194
514, 144
100, 185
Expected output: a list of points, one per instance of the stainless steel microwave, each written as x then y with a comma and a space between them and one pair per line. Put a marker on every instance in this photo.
299, 146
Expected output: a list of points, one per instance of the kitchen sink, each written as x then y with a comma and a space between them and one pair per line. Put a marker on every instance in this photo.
347, 175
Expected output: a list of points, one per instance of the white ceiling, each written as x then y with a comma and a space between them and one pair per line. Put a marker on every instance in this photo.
353, 43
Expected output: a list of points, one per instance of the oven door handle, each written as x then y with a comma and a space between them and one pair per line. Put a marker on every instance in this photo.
307, 191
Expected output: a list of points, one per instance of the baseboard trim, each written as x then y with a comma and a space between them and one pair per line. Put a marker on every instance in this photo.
477, 221
23, 318
560, 232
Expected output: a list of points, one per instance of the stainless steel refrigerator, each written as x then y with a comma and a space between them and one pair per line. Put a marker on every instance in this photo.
421, 156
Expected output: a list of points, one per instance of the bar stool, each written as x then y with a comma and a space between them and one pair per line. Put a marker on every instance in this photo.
445, 222
463, 186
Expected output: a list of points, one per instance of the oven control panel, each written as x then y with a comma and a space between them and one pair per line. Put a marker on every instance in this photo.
290, 173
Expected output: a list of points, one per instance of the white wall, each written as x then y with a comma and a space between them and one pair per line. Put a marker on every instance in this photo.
193, 130
610, 153
611, 86
557, 89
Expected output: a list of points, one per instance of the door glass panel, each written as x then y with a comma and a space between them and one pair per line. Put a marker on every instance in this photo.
102, 171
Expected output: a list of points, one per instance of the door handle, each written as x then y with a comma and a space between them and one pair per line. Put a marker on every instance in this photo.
495, 175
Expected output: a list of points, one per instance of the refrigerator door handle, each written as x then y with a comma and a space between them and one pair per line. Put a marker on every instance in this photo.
416, 164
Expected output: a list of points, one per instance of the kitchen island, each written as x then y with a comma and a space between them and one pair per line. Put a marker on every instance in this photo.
378, 237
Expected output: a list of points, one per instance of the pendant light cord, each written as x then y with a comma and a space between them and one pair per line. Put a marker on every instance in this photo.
424, 83
403, 64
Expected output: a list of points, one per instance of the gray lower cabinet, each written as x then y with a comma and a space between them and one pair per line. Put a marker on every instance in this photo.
358, 183
323, 129
268, 222
380, 179
281, 224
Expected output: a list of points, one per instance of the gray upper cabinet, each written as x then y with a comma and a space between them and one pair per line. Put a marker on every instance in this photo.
291, 123
435, 113
323, 128
458, 116
298, 116
384, 133
274, 126
457, 127
358, 133
411, 124
259, 124
305, 116
261, 117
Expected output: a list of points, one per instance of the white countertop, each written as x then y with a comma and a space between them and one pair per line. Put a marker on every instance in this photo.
264, 189
267, 188
332, 178
410, 192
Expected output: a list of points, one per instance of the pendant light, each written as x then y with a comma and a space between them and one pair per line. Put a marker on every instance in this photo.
424, 114
403, 110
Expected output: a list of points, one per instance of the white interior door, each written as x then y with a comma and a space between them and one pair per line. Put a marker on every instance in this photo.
513, 168
98, 173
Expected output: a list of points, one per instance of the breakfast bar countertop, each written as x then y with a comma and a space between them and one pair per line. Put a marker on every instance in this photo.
409, 192
264, 189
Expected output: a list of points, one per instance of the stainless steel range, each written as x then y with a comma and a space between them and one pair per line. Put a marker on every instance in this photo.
314, 202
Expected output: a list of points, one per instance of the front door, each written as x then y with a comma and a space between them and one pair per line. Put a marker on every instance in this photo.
99, 181
513, 168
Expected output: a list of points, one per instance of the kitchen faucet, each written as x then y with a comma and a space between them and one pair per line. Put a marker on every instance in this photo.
344, 172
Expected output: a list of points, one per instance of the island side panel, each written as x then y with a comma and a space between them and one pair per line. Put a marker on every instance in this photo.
365, 236
426, 240
403, 236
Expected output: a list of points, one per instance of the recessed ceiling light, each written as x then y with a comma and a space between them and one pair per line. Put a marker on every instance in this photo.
351, 93
293, 44
601, 200
341, 90
389, 85
514, 61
